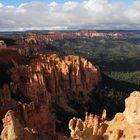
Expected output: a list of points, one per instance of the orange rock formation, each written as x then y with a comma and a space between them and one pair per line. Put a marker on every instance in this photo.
45, 80
35, 43
49, 76
125, 126
13, 130
2, 44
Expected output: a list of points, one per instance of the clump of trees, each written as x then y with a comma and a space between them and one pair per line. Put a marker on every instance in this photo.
132, 77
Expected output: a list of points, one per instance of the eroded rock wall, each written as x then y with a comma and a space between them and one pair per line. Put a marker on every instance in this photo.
44, 80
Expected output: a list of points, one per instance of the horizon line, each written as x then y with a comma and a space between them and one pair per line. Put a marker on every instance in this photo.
57, 30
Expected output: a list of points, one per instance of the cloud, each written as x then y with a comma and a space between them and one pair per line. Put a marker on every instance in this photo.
89, 14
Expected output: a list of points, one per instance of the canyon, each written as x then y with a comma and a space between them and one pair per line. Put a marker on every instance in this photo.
40, 91
27, 98
31, 42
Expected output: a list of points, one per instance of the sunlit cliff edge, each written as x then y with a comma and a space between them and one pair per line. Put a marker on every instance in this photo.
124, 126
33, 89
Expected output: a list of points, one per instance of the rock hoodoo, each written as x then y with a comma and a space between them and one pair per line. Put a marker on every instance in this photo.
124, 126
13, 130
44, 80
52, 76
2, 44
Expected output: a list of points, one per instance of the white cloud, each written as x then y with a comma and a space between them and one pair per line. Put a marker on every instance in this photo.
89, 14
1, 5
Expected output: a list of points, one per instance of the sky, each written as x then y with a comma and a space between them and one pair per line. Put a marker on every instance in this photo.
18, 2
69, 14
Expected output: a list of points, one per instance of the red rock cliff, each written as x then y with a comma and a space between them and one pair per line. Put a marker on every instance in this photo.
50, 75
45, 80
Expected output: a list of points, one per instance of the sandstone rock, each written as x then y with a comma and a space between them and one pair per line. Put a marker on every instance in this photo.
47, 79
33, 43
13, 130
90, 129
51, 76
132, 110
2, 44
8, 54
124, 126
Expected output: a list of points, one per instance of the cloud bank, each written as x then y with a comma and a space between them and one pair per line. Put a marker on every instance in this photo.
89, 14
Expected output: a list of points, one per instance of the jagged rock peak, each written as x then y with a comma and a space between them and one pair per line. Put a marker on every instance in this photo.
2, 44
13, 130
132, 108
124, 126
91, 128
60, 75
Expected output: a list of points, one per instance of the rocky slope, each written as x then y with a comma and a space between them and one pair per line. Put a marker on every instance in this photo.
35, 87
124, 126
13, 130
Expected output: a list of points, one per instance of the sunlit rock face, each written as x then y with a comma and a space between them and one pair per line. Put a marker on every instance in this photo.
31, 114
132, 110
2, 44
46, 79
83, 75
91, 129
122, 127
13, 130
51, 75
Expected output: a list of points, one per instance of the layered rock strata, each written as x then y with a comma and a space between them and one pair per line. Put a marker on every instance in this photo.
45, 80
38, 43
50, 75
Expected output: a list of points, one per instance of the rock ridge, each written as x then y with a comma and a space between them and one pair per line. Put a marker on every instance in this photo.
45, 80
